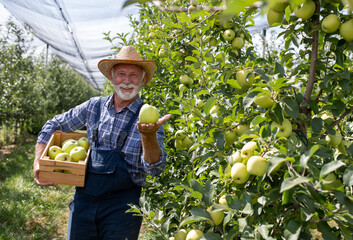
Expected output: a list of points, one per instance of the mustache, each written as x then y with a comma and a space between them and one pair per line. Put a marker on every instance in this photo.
123, 85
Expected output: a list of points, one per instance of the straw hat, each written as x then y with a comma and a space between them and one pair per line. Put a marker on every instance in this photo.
128, 55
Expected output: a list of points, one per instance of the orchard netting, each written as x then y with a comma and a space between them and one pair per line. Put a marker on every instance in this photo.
74, 30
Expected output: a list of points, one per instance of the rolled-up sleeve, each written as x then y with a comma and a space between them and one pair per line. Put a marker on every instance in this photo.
69, 121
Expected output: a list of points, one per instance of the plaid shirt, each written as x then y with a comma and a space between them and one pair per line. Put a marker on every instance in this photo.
110, 126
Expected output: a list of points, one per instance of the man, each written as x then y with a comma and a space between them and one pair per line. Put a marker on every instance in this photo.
123, 151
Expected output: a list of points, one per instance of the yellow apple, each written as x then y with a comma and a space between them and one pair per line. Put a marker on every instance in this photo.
346, 30
223, 200
217, 216
53, 151
77, 154
330, 23
245, 78
241, 128
69, 139
83, 142
280, 5
236, 157
148, 114
238, 43
187, 142
179, 144
69, 145
264, 100
257, 166
239, 173
274, 17
194, 234
181, 234
229, 35
248, 150
63, 157
180, 134
230, 137
284, 129
184, 79
306, 10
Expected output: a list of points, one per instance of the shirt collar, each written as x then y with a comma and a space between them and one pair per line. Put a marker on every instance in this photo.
132, 106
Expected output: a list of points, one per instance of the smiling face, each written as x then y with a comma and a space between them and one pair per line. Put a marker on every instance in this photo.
127, 80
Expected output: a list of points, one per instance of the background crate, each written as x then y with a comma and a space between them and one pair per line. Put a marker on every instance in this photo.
47, 167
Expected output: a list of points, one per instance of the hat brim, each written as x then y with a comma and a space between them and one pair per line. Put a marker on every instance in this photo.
106, 65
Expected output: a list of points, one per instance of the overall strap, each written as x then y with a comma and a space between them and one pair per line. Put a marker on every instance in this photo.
96, 121
124, 133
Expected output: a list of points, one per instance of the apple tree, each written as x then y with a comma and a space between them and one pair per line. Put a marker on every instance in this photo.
259, 147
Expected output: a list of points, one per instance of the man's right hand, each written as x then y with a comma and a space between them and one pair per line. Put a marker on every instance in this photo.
39, 150
36, 176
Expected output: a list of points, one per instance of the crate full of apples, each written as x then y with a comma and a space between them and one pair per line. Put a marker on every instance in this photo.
64, 159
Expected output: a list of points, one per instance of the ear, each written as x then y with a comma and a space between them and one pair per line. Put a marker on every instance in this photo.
144, 81
110, 76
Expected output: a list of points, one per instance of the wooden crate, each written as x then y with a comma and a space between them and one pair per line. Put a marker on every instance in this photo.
48, 167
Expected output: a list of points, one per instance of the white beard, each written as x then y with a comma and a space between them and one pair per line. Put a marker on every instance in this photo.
127, 95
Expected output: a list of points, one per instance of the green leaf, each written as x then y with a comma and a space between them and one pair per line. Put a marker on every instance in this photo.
348, 176
307, 155
289, 183
316, 125
330, 167
347, 233
209, 104
326, 231
249, 99
201, 213
208, 192
257, 120
292, 230
192, 59
291, 107
211, 236
191, 219
344, 200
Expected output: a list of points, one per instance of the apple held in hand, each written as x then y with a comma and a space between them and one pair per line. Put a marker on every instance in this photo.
69, 145
148, 114
77, 154
284, 129
194, 234
330, 23
346, 30
306, 10
83, 142
263, 100
53, 151
239, 173
257, 166
63, 157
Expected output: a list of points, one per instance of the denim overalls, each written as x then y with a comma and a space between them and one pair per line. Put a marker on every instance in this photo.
98, 209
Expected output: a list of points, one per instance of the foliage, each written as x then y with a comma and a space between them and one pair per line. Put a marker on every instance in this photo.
30, 91
310, 84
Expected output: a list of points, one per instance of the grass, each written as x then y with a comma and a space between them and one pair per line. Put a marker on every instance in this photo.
28, 211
